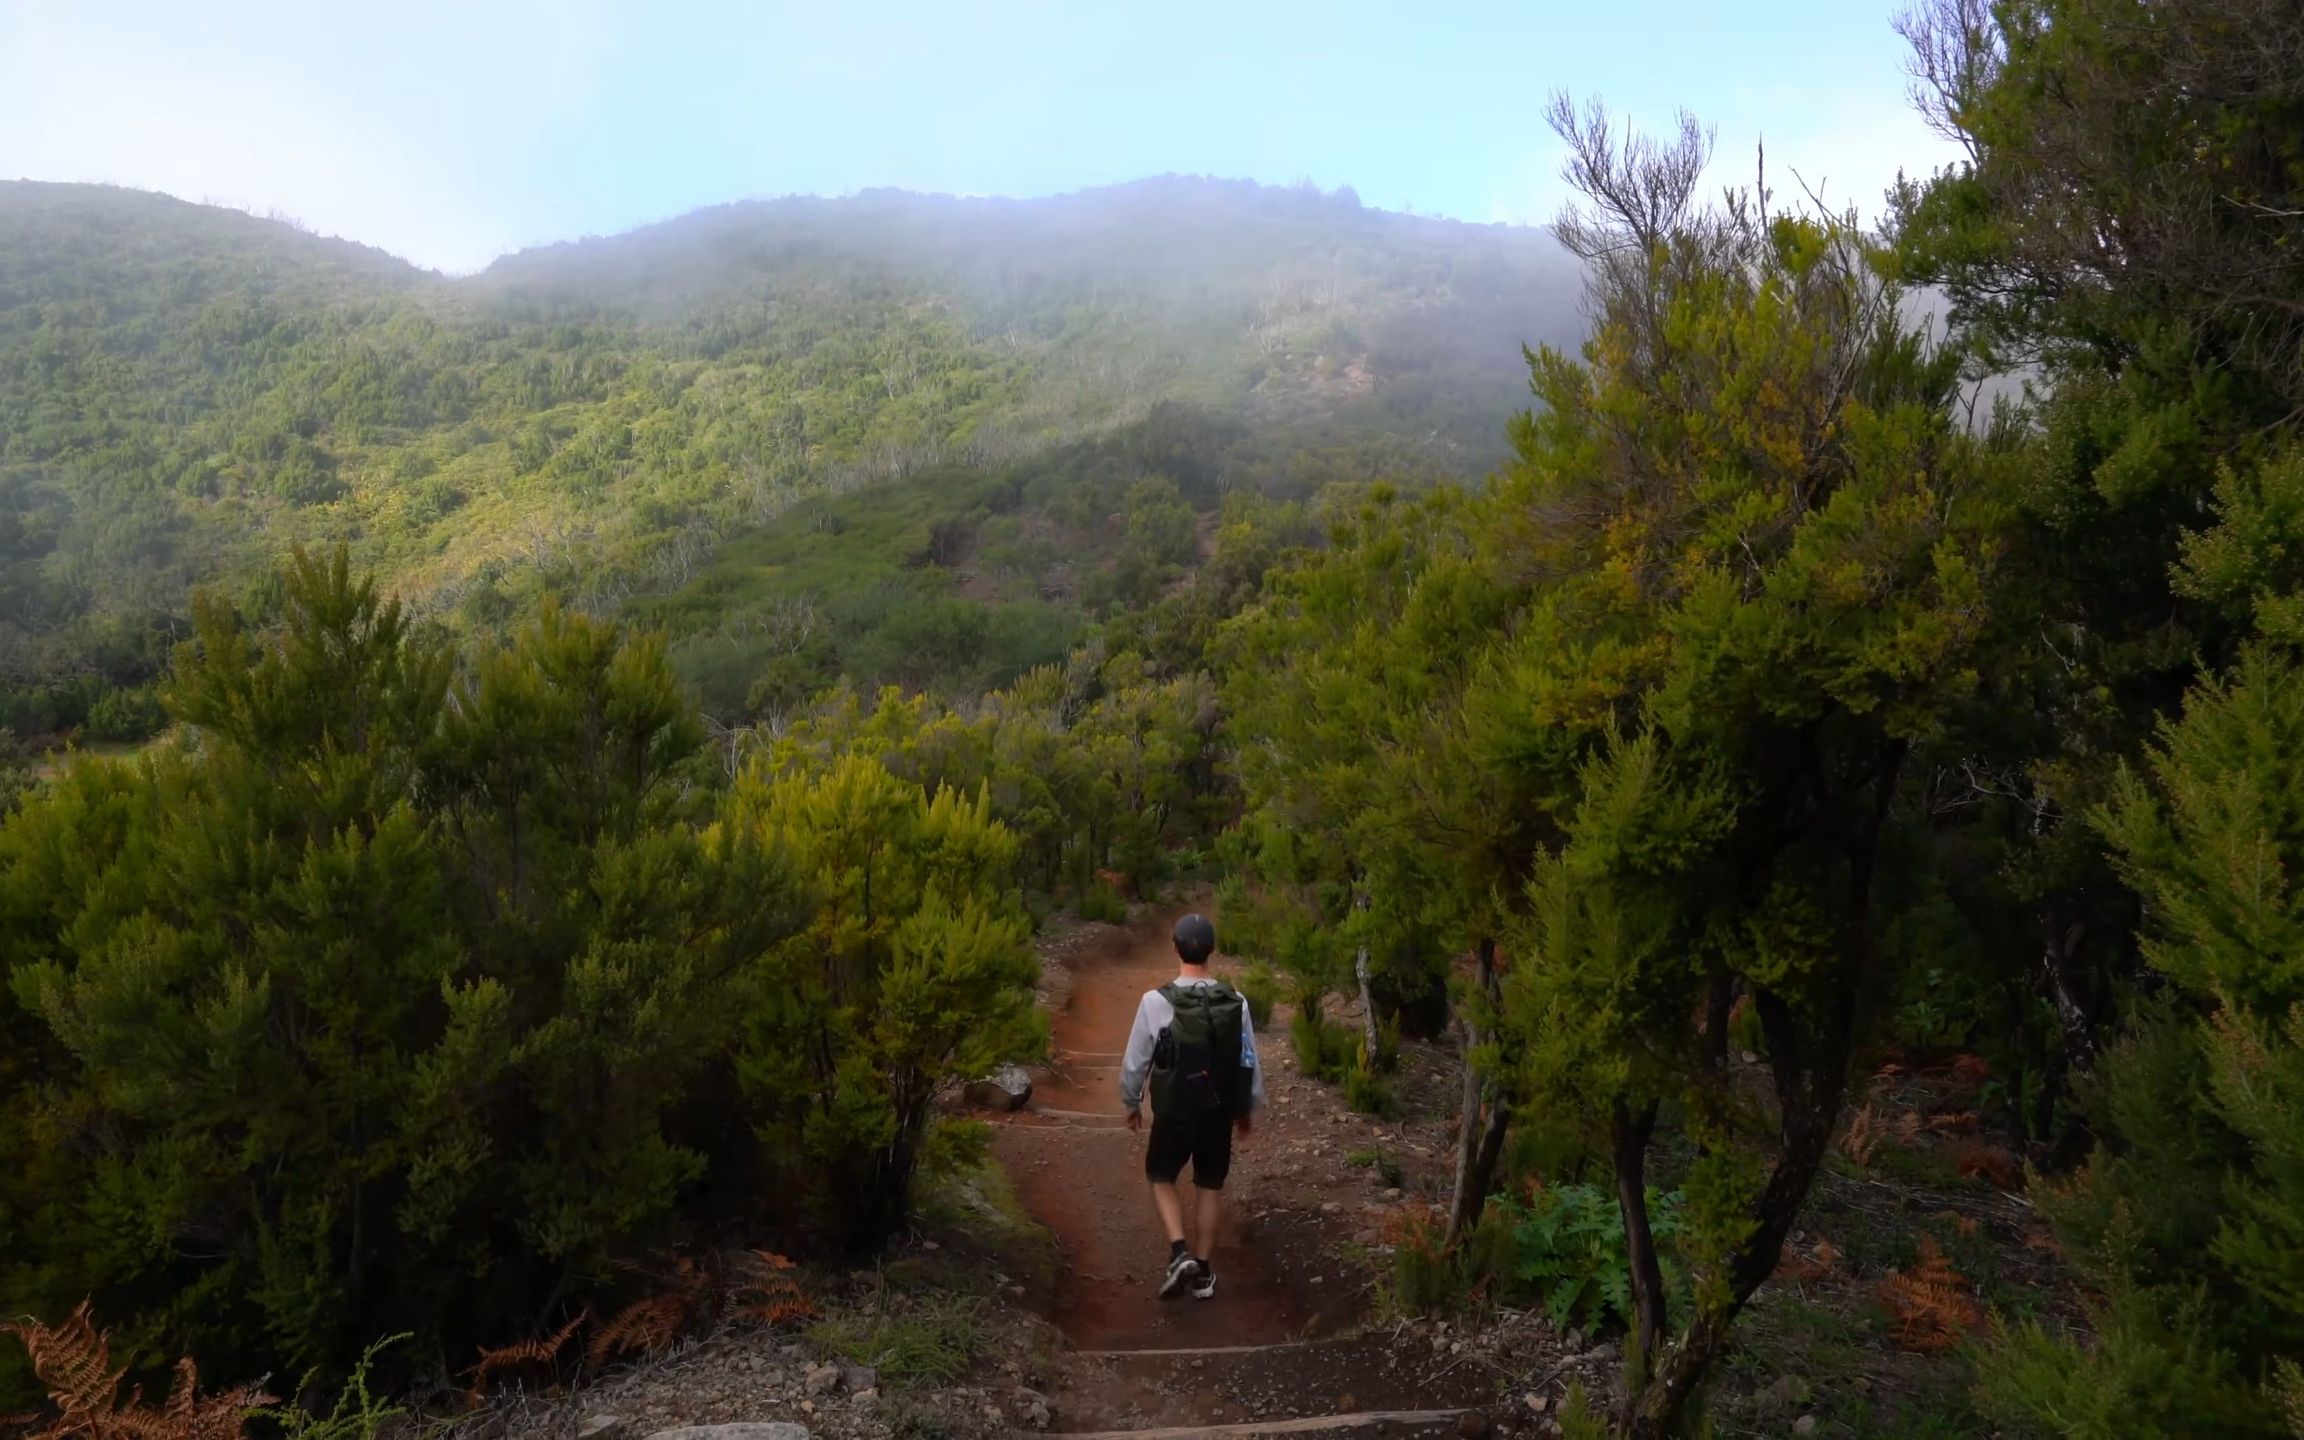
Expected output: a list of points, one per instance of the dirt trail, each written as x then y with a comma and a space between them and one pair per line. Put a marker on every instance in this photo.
1274, 1352
1081, 1172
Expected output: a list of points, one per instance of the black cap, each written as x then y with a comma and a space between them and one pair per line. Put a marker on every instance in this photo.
1195, 939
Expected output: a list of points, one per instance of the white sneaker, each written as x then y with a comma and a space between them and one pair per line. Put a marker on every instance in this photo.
1180, 1270
1203, 1281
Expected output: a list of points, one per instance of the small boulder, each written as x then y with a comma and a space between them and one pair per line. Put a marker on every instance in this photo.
820, 1380
1034, 1406
1805, 1425
860, 1377
1005, 1089
602, 1427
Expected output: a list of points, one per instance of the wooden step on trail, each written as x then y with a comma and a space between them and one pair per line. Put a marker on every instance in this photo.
1196, 1352
1301, 1425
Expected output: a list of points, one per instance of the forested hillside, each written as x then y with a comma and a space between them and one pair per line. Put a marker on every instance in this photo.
1824, 860
186, 392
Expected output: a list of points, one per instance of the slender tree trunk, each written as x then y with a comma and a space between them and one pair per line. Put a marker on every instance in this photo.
1370, 1038
1464, 1205
1479, 1141
1809, 1064
1632, 1129
1362, 971
1719, 1003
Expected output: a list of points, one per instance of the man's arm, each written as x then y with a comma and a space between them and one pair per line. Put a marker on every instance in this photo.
1248, 1059
1136, 1060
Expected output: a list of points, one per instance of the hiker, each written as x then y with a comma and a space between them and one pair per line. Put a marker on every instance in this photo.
1194, 1039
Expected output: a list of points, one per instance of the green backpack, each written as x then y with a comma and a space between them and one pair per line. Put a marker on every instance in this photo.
1196, 1064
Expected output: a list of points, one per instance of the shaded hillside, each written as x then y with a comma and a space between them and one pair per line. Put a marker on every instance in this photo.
185, 392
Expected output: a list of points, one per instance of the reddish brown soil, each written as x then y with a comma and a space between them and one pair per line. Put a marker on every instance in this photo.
1081, 1172
1281, 1339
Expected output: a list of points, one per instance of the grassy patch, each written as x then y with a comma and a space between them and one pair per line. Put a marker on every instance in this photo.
1382, 1161
911, 1338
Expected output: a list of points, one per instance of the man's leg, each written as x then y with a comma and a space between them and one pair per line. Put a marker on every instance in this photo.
1211, 1214
1211, 1166
1164, 1157
1171, 1208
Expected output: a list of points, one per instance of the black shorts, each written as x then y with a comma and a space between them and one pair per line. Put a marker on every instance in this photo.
1206, 1142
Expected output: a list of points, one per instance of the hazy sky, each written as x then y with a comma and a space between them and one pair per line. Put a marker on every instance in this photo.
451, 132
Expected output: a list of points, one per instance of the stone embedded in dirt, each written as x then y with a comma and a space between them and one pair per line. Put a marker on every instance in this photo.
1007, 1088
1805, 1425
602, 1427
1035, 1407
860, 1377
820, 1380
1538, 1404
770, 1430
1332, 1208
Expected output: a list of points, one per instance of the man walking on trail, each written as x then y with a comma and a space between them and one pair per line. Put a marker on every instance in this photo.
1195, 1041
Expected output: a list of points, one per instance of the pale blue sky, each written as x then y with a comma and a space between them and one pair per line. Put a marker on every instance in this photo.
450, 131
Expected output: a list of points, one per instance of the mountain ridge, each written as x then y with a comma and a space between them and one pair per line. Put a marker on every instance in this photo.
187, 391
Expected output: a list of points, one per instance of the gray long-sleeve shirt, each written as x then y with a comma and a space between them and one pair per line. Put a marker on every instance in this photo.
1153, 1015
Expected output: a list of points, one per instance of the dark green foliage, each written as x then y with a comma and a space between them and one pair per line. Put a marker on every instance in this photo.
2189, 1222
1101, 903
1260, 987
1324, 1050
413, 991
1567, 1253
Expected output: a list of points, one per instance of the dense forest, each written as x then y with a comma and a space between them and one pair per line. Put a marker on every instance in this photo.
185, 392
774, 615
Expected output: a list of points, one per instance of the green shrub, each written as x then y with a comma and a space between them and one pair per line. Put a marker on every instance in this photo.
1567, 1252
358, 1414
1102, 903
125, 715
1323, 1051
412, 994
1260, 987
2146, 1372
1368, 1090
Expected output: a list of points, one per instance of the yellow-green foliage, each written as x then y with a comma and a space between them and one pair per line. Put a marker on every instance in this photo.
411, 990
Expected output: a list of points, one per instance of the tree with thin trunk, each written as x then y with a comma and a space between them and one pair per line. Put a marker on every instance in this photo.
1753, 554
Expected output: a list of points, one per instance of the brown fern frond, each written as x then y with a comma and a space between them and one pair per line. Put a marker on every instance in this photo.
1931, 1301
1861, 1137
189, 1415
1959, 1123
543, 1352
773, 1293
1992, 1164
74, 1360
1971, 1070
1793, 1265
647, 1324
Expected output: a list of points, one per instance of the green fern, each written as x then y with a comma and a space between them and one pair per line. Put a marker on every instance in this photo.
1569, 1253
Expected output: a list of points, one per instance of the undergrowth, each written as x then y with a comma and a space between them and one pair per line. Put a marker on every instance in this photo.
927, 1338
